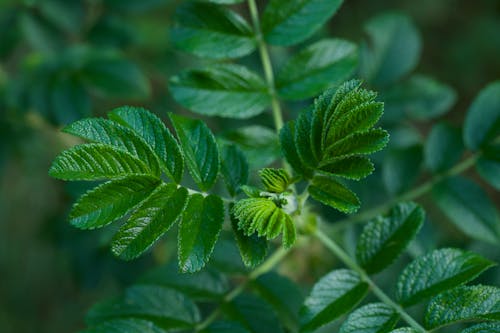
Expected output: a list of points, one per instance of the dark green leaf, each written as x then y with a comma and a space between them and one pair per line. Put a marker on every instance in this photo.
200, 150
199, 230
164, 307
385, 238
350, 167
227, 2
332, 193
234, 168
482, 122
489, 170
288, 22
321, 65
211, 31
405, 330
436, 272
392, 49
365, 142
225, 327
493, 327
287, 139
153, 131
335, 294
150, 221
304, 144
129, 325
469, 208
111, 201
401, 168
224, 90
370, 318
95, 161
253, 249
469, 303
443, 147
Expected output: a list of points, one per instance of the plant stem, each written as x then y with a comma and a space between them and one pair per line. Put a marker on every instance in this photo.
407, 196
265, 267
344, 257
266, 64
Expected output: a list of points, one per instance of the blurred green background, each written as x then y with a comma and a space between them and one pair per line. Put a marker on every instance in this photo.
62, 60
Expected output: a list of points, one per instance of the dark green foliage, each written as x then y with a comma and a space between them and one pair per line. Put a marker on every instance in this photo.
253, 248
234, 168
443, 147
371, 318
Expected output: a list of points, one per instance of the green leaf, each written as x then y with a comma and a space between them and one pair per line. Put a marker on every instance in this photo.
335, 294
484, 328
224, 90
401, 168
304, 144
443, 147
482, 122
234, 168
108, 132
332, 193
469, 303
283, 295
287, 139
489, 170
391, 50
154, 132
205, 284
211, 31
95, 161
253, 249
350, 167
469, 208
385, 238
164, 307
200, 150
125, 325
370, 318
225, 327
110, 201
288, 22
199, 230
365, 142
419, 97
275, 180
404, 330
321, 65
150, 221
436, 272
226, 2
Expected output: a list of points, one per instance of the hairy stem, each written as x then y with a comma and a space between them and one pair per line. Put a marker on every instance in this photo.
381, 295
265, 267
409, 195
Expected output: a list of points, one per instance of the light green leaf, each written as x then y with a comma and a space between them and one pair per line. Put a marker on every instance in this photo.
335, 294
370, 318
392, 50
154, 132
332, 193
200, 150
482, 122
469, 208
288, 22
350, 167
110, 201
211, 31
164, 307
253, 249
275, 180
443, 147
234, 168
489, 170
95, 161
112, 133
385, 238
199, 230
493, 327
436, 272
287, 139
469, 303
401, 168
321, 65
224, 90
129, 325
150, 221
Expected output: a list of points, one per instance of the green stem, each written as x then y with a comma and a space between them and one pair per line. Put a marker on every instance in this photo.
381, 295
407, 196
266, 266
266, 64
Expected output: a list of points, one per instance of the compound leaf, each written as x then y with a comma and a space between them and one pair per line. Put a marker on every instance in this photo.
199, 230
385, 238
150, 221
335, 294
436, 272
334, 194
370, 318
224, 90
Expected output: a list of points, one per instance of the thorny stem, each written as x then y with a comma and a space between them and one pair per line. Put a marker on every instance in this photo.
265, 267
344, 257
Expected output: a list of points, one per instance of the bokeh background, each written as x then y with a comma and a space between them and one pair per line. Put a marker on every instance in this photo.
62, 60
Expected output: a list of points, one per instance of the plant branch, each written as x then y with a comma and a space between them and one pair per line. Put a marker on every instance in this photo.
265, 267
407, 196
346, 259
